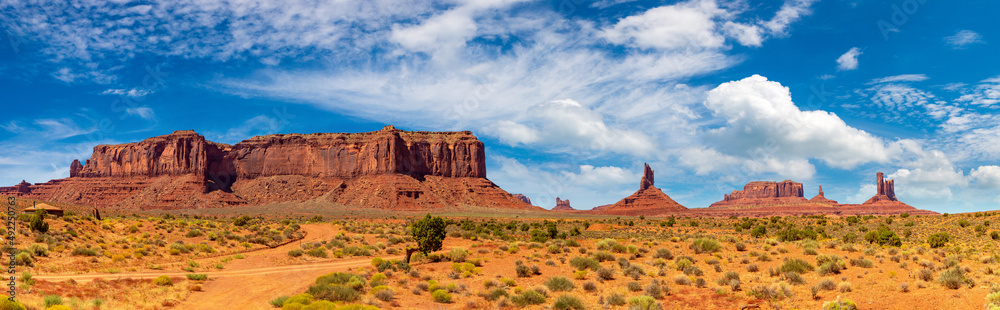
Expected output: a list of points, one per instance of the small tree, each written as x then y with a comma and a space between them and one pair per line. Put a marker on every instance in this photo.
938, 240
38, 221
429, 233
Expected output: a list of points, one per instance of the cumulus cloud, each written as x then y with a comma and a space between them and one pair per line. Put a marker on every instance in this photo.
849, 60
567, 122
963, 38
758, 111
986, 177
586, 185
687, 25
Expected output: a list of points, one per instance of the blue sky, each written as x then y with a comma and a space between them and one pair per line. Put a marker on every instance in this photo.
569, 96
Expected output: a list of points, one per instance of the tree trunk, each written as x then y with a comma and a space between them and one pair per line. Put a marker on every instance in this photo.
409, 252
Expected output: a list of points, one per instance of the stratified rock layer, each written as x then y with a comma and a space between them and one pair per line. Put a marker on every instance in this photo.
762, 193
385, 169
648, 200
562, 205
820, 198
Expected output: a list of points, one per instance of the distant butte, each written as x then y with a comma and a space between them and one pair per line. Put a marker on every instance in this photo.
648, 200
386, 169
562, 205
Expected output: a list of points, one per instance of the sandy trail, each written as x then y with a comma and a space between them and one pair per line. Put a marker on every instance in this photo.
247, 283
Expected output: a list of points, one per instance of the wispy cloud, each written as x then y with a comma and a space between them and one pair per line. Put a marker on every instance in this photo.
963, 39
901, 78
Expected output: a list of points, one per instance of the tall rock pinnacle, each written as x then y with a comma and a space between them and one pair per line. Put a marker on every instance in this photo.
647, 178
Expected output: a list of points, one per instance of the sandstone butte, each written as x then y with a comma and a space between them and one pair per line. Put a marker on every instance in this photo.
523, 198
562, 205
648, 200
786, 198
385, 169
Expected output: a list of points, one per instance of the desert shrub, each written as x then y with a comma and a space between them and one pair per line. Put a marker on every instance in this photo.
862, 262
682, 280
197, 276
7, 304
643, 303
522, 271
441, 296
583, 263
883, 236
194, 233
772, 292
633, 286
759, 231
741, 247
278, 302
730, 278
655, 290
565, 302
752, 268
705, 245
602, 256
589, 286
953, 278
925, 274
683, 263
829, 264
82, 251
23, 259
383, 293
458, 254
826, 284
664, 254
844, 287
163, 281
295, 253
615, 299
528, 297
796, 265
559, 284
938, 240
792, 234
840, 304
605, 274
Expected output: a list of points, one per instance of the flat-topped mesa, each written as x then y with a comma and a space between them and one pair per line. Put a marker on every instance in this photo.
760, 193
348, 155
562, 205
331, 155
387, 169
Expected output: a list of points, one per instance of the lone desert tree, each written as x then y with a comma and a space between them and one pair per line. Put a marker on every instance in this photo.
429, 234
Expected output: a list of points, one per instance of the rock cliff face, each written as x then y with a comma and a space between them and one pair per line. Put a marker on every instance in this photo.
389, 169
762, 193
886, 190
562, 205
648, 200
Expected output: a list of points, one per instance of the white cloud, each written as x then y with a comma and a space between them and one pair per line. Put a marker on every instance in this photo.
603, 4
899, 97
790, 11
255, 126
758, 111
597, 176
132, 92
986, 93
686, 25
986, 177
849, 60
747, 35
145, 113
586, 185
568, 123
963, 39
901, 78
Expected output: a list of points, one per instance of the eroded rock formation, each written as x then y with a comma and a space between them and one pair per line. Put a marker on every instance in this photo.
648, 200
820, 198
523, 198
562, 205
387, 169
763, 193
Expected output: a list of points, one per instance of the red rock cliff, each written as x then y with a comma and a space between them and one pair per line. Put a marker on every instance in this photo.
562, 205
648, 200
182, 152
760, 193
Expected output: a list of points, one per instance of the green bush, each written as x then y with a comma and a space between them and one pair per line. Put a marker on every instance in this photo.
566, 302
278, 302
664, 254
23, 259
759, 231
163, 281
197, 276
317, 252
441, 296
705, 245
953, 278
938, 240
795, 234
7, 304
52, 300
528, 297
643, 303
583, 263
38, 222
796, 265
295, 253
883, 236
82, 251
840, 304
559, 284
